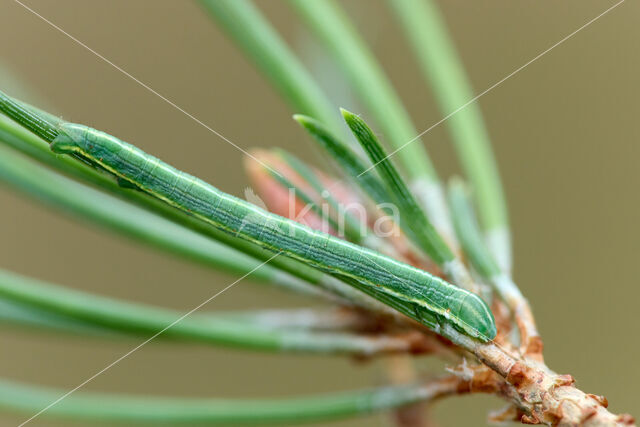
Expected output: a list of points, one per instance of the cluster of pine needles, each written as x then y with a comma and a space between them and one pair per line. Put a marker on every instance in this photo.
399, 208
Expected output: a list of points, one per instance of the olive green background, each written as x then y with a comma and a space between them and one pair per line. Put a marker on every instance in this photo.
565, 132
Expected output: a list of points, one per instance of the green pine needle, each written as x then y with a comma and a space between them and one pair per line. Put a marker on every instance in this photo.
85, 310
468, 231
426, 31
334, 29
251, 31
128, 409
482, 259
28, 118
412, 218
349, 162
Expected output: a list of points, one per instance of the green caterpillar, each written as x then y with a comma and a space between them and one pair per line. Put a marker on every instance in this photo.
419, 295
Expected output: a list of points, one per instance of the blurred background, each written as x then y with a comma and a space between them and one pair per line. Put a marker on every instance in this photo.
564, 130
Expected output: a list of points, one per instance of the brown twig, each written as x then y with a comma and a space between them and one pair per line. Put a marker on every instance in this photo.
540, 395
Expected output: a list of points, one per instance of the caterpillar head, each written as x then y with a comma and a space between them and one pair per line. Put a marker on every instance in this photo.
476, 319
